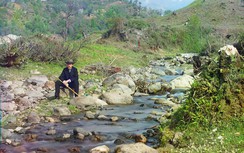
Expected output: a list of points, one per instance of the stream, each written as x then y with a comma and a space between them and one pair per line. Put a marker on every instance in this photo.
134, 119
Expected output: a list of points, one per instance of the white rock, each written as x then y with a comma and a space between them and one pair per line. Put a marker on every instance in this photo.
184, 82
61, 111
116, 98
83, 101
120, 78
122, 88
100, 149
134, 148
39, 80
19, 91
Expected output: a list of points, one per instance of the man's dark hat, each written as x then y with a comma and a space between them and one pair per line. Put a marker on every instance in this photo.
69, 61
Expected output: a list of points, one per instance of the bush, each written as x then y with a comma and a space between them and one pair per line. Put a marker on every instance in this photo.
216, 96
39, 48
138, 24
194, 37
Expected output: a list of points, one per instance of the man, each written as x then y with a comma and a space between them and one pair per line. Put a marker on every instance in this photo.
69, 77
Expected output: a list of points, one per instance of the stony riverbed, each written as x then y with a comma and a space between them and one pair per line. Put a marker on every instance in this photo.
123, 108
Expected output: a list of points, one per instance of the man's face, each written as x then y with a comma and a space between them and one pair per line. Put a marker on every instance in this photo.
69, 66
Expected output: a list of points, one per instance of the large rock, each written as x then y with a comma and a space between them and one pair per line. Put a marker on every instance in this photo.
158, 71
80, 130
165, 102
120, 78
35, 94
154, 88
8, 106
33, 117
100, 149
61, 111
7, 97
83, 101
117, 98
19, 91
38, 80
184, 82
8, 39
5, 133
134, 148
122, 88
6, 84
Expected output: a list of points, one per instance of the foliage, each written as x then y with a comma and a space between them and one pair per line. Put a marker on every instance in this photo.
194, 40
138, 24
73, 19
38, 48
216, 96
211, 118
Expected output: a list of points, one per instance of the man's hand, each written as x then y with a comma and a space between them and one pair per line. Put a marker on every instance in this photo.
65, 82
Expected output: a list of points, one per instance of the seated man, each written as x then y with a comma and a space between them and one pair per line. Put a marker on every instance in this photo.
69, 77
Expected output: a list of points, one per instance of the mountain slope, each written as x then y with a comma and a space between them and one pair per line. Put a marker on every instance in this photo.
224, 16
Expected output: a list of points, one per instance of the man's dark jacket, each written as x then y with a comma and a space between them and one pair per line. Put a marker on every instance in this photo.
72, 75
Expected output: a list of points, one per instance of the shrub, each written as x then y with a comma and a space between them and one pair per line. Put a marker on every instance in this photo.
216, 96
39, 48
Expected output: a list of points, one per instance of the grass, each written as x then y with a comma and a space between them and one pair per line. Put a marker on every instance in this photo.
227, 137
91, 54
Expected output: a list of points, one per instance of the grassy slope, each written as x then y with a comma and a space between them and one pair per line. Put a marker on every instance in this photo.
91, 54
225, 16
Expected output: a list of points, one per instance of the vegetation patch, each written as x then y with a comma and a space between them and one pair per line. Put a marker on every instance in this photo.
215, 101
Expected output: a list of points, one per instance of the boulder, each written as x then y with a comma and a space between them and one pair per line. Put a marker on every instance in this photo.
169, 71
35, 94
184, 82
122, 88
134, 148
6, 84
120, 78
83, 101
38, 80
158, 71
5, 133
140, 138
33, 117
100, 149
117, 98
19, 91
8, 97
154, 88
23, 102
80, 130
90, 115
16, 84
165, 102
8, 106
8, 39
61, 111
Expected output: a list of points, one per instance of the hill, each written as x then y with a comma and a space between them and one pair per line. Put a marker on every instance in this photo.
73, 19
